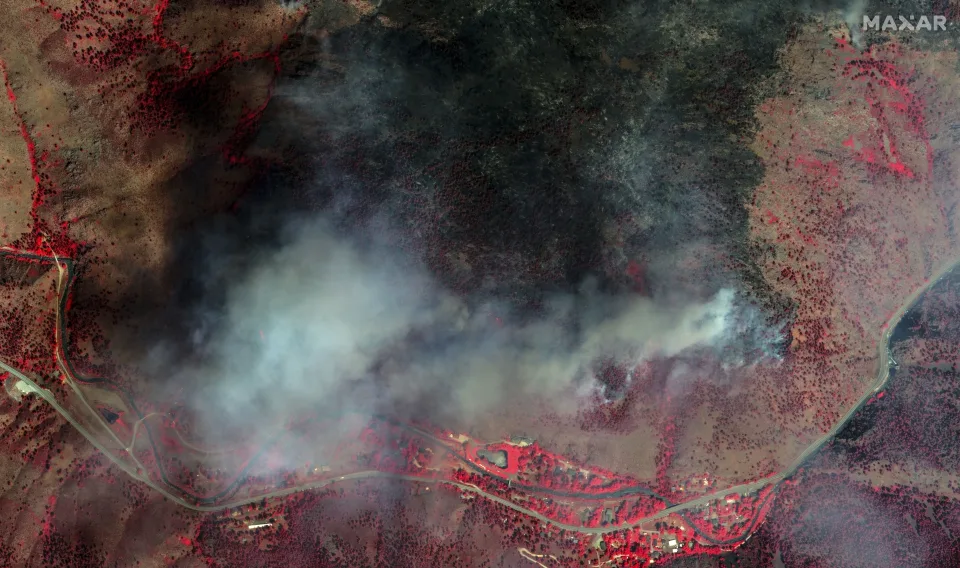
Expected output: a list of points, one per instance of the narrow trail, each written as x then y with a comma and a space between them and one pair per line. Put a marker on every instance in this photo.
197, 503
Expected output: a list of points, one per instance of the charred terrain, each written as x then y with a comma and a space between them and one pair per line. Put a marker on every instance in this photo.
412, 283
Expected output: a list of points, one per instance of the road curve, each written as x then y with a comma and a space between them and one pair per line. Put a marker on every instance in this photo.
883, 375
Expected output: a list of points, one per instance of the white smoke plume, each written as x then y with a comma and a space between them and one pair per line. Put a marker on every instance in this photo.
853, 16
332, 323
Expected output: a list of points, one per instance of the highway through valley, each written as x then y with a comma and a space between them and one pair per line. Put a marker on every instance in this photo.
65, 278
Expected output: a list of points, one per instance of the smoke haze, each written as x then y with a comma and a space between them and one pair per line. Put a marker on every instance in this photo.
463, 206
337, 322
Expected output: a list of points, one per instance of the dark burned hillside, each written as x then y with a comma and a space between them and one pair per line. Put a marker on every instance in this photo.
522, 147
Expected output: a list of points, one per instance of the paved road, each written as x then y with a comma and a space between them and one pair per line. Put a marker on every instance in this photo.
883, 375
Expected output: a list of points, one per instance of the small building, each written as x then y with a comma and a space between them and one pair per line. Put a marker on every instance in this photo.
670, 544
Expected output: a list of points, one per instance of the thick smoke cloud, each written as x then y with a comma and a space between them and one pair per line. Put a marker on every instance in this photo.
334, 322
